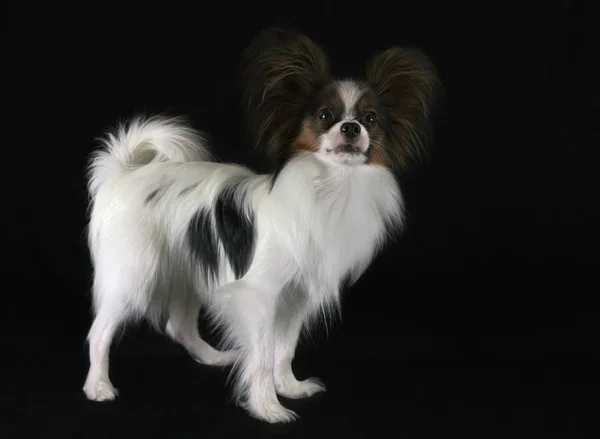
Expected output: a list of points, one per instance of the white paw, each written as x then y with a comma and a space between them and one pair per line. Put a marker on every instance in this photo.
272, 412
295, 389
100, 390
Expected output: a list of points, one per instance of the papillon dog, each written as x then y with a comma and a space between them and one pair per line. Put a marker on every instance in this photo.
172, 231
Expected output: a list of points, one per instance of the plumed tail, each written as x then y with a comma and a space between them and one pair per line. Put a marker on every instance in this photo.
143, 141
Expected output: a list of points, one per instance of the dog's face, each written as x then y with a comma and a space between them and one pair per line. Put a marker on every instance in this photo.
345, 125
295, 105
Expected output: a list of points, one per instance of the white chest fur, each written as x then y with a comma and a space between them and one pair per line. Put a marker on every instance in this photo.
330, 221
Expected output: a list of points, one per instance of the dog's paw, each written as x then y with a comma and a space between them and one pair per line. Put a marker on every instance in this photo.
273, 413
100, 390
295, 389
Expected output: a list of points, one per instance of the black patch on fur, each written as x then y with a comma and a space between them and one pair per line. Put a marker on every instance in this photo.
235, 229
157, 193
203, 243
188, 189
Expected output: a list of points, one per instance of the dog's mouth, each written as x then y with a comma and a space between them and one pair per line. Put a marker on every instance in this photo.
346, 148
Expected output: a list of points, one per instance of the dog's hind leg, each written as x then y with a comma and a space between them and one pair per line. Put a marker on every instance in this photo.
182, 327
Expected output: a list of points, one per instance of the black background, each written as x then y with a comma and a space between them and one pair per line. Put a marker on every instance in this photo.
480, 319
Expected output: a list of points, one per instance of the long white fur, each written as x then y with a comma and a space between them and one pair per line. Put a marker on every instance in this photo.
320, 223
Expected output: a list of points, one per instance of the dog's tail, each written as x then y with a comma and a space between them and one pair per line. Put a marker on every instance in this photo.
142, 141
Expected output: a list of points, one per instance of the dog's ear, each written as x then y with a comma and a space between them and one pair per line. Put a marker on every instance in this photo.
281, 71
406, 83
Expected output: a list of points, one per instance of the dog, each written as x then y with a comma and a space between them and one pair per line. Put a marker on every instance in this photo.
172, 231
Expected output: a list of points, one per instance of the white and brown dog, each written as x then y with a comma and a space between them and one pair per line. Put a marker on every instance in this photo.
172, 231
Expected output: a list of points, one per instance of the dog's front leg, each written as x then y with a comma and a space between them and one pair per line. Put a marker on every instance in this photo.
293, 312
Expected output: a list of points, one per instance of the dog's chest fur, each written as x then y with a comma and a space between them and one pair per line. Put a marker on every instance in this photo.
331, 224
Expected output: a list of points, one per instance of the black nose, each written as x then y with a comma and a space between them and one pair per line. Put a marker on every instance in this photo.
350, 129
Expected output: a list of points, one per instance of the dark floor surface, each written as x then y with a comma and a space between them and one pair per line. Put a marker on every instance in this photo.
426, 379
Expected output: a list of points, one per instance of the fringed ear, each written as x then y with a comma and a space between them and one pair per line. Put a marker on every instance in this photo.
282, 70
406, 83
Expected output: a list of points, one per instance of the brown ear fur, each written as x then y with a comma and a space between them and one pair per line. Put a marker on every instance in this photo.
281, 70
406, 83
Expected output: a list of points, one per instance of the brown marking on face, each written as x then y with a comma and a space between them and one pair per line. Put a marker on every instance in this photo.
377, 153
367, 102
307, 139
328, 99
376, 156
331, 99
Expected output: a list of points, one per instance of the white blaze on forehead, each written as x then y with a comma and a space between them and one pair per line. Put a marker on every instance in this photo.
350, 92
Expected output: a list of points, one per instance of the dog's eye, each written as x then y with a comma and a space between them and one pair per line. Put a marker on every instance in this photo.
326, 115
370, 119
